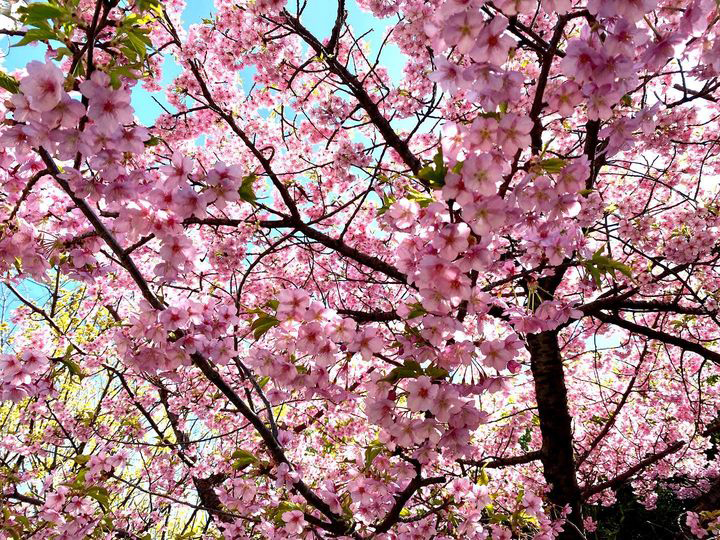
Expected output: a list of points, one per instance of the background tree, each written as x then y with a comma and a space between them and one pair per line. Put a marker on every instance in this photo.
477, 299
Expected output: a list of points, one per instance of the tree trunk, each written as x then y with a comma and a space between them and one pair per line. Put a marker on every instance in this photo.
555, 425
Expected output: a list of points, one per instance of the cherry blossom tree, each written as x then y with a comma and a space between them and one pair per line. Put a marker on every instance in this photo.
322, 298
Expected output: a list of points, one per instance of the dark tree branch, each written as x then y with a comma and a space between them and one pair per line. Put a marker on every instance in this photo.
102, 231
369, 316
632, 471
401, 499
537, 106
659, 336
499, 462
359, 92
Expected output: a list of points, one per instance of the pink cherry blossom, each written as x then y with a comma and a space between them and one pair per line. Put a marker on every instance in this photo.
462, 30
452, 240
294, 522
514, 133
331, 286
421, 393
447, 74
43, 86
493, 44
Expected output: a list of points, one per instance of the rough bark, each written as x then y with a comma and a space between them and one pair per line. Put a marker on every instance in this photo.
556, 453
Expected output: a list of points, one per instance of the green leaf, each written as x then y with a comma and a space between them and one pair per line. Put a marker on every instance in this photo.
36, 34
40, 12
152, 141
262, 324
136, 20
100, 494
610, 208
121, 71
416, 311
413, 365
410, 370
388, 201
79, 482
246, 189
483, 478
284, 506
436, 372
62, 52
552, 165
81, 459
150, 5
373, 451
302, 370
130, 54
41, 9
72, 367
424, 200
491, 114
525, 439
243, 458
135, 44
610, 265
433, 174
42, 24
400, 373
595, 274
9, 83
599, 265
136, 40
107, 523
